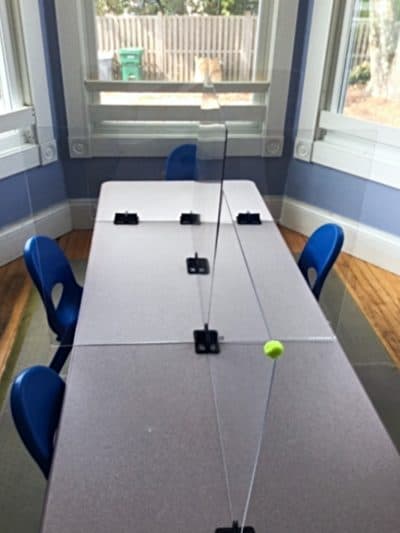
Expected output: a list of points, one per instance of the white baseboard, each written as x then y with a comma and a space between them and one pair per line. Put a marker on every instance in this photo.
274, 204
53, 222
83, 212
375, 246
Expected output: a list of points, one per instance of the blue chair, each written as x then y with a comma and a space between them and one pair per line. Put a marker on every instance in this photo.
49, 267
320, 253
181, 163
36, 401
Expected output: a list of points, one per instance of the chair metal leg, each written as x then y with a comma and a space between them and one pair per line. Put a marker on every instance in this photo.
63, 351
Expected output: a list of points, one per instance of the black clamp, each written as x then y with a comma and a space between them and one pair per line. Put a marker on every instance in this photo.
126, 218
248, 218
197, 265
190, 219
235, 529
206, 341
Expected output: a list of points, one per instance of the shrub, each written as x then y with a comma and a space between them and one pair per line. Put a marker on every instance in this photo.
360, 74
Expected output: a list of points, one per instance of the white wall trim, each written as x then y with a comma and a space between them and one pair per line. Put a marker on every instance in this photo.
19, 160
314, 77
32, 33
365, 242
284, 19
274, 204
54, 222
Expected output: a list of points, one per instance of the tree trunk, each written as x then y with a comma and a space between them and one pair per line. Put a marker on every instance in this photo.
382, 45
394, 78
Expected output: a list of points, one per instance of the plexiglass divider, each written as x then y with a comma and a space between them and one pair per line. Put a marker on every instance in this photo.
42, 246
207, 196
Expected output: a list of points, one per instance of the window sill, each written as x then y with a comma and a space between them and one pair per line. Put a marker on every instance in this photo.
19, 159
367, 160
106, 145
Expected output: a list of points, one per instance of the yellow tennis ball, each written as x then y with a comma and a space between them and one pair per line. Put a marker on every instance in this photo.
273, 349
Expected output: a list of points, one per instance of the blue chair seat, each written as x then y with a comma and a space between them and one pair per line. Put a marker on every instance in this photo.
49, 267
36, 400
181, 163
320, 253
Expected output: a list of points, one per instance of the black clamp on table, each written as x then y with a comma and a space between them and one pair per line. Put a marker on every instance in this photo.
206, 342
197, 265
126, 218
235, 529
248, 218
190, 219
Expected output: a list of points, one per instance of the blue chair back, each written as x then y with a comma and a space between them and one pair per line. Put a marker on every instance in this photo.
181, 163
320, 253
48, 267
36, 401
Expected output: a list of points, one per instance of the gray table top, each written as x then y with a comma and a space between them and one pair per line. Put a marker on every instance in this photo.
156, 438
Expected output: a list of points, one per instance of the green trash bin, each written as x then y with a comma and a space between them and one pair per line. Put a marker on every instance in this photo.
131, 63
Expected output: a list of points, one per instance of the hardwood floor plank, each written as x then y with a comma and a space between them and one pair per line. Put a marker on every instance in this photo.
15, 288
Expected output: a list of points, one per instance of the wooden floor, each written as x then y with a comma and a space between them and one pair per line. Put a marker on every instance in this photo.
376, 291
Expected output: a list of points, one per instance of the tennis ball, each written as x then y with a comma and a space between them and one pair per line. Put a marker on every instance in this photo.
273, 349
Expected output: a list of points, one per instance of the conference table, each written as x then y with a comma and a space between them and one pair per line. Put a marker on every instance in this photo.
155, 437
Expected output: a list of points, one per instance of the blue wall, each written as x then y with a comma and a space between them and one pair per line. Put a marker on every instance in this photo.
41, 187
347, 195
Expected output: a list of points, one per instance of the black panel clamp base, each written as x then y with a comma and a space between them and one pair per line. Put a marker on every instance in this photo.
235, 529
190, 219
250, 219
206, 341
197, 265
126, 218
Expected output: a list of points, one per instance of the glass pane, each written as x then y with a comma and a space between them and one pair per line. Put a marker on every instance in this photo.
371, 85
5, 101
180, 41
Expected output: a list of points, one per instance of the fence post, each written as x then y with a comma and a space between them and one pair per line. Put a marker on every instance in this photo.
159, 42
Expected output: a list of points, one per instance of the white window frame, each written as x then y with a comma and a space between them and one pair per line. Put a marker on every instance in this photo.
27, 134
77, 36
355, 146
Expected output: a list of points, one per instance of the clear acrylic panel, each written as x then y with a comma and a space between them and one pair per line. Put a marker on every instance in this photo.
207, 194
180, 431
39, 200
49, 257
317, 420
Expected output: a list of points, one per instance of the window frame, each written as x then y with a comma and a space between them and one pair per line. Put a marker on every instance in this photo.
77, 36
27, 129
359, 147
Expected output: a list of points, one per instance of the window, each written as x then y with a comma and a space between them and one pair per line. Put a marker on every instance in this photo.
134, 71
350, 110
26, 133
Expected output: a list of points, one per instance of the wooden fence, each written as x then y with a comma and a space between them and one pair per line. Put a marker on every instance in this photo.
172, 42
361, 42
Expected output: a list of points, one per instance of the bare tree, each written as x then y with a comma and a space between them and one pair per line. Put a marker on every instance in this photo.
382, 45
